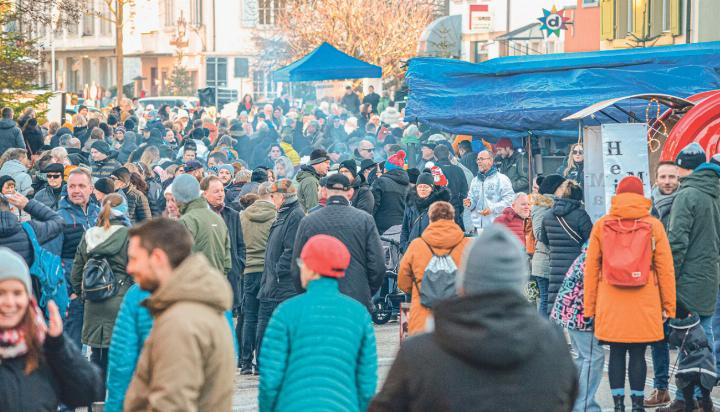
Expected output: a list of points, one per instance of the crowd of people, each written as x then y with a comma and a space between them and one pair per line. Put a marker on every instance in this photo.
173, 248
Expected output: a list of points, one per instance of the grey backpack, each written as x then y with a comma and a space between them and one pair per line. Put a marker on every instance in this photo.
438, 282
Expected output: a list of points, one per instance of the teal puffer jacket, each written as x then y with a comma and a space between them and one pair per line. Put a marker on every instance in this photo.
318, 350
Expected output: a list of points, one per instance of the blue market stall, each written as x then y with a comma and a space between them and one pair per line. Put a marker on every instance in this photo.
326, 63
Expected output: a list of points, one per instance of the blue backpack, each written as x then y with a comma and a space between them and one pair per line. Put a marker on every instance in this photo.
47, 268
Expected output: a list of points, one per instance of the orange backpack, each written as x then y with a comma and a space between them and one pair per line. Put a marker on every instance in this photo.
627, 252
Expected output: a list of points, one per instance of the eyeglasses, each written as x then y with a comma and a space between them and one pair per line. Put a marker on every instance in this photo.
577, 152
370, 149
484, 158
54, 176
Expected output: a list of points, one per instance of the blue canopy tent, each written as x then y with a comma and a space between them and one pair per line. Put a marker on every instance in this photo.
326, 63
514, 96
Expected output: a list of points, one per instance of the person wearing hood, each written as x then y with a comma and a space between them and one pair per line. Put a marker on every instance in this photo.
137, 202
362, 195
490, 192
256, 221
33, 135
628, 318
208, 230
565, 228
103, 159
107, 241
442, 236
284, 168
188, 359
128, 146
10, 134
16, 165
51, 193
426, 192
308, 178
390, 191
486, 343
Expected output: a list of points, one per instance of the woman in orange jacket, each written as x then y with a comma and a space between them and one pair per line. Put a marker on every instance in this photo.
629, 303
444, 236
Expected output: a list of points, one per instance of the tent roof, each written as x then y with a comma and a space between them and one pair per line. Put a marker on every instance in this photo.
510, 96
326, 63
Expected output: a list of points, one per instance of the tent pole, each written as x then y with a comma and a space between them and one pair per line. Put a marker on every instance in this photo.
531, 169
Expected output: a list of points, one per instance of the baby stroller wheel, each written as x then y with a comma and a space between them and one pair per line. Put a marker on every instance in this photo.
381, 314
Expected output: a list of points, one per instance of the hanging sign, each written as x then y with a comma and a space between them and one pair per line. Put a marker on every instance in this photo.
553, 21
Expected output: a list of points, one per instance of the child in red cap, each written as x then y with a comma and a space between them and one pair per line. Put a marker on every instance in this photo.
319, 347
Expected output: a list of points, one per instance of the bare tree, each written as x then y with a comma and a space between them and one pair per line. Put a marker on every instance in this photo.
116, 17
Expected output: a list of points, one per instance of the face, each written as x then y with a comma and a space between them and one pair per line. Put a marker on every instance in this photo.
345, 171
521, 206
484, 161
335, 157
271, 176
275, 152
667, 179
188, 155
225, 176
97, 156
119, 136
8, 188
79, 189
169, 136
140, 266
502, 152
323, 167
198, 174
83, 111
277, 199
14, 301
578, 155
171, 206
54, 179
212, 162
215, 194
348, 91
423, 190
280, 169
427, 153
366, 151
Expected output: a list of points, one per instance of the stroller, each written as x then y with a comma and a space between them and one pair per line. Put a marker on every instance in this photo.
386, 302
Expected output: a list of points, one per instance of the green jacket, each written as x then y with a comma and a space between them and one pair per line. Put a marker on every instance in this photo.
308, 183
693, 234
515, 168
318, 350
256, 221
209, 233
99, 317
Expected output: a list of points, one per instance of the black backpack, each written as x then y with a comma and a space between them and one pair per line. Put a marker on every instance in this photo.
99, 282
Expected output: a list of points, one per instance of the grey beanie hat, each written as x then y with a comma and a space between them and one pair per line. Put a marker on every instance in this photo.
495, 261
14, 267
185, 188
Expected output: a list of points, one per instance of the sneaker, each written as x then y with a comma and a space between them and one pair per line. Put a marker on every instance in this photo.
657, 398
676, 406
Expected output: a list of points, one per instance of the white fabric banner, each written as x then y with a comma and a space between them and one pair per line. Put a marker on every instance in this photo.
625, 152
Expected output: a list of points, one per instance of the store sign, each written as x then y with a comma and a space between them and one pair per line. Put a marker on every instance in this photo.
480, 17
553, 21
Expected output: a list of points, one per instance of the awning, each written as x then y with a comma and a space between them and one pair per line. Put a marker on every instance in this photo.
326, 63
666, 100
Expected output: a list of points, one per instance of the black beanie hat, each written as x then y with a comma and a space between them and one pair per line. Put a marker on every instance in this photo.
550, 184
318, 156
129, 125
259, 175
425, 179
101, 147
105, 185
54, 168
691, 156
413, 174
350, 165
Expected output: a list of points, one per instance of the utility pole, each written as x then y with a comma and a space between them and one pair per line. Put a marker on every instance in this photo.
119, 47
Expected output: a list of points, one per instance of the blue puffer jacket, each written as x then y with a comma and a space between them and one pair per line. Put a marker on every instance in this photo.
132, 327
318, 350
45, 221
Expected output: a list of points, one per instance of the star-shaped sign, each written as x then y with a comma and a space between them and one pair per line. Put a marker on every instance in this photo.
553, 21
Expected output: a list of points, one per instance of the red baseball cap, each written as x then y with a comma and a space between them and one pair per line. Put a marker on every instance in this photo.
326, 255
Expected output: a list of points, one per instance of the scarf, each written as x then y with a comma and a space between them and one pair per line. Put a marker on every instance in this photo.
482, 176
13, 342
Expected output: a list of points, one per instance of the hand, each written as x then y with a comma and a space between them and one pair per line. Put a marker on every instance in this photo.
55, 325
664, 316
467, 202
485, 212
73, 296
18, 200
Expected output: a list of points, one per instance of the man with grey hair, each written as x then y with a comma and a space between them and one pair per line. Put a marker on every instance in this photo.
490, 192
487, 343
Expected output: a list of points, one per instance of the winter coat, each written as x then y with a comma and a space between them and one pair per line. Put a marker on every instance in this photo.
457, 184
49, 197
19, 173
155, 197
276, 283
630, 314
576, 173
187, 361
469, 160
390, 191
63, 376
698, 364
232, 195
356, 229
514, 222
77, 221
138, 206
416, 217
515, 168
99, 317
128, 146
493, 191
10, 136
569, 308
46, 223
297, 374
540, 204
237, 252
694, 235
445, 237
563, 248
362, 198
209, 233
256, 221
483, 349
308, 183
104, 168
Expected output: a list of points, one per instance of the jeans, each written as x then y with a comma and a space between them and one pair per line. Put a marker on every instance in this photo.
264, 314
589, 362
706, 323
661, 362
74, 322
543, 284
250, 306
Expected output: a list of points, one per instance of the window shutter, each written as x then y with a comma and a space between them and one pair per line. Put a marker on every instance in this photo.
640, 17
607, 19
675, 16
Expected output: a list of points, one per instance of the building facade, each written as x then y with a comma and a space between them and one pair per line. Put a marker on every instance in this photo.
583, 34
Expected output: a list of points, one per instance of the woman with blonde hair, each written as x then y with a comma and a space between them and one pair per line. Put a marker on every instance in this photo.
573, 167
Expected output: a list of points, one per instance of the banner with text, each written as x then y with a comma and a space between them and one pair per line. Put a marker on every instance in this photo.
625, 152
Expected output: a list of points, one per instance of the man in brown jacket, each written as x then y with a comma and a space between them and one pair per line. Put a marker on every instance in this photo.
187, 363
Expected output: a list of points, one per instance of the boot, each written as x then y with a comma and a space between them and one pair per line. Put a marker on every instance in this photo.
676, 406
637, 404
619, 403
706, 405
657, 398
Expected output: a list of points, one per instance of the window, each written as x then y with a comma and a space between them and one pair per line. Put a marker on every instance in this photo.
216, 72
169, 11
72, 29
88, 21
629, 22
241, 67
268, 11
665, 15
196, 12
590, 3
263, 86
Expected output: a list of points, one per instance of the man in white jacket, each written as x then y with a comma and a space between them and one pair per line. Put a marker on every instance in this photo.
490, 192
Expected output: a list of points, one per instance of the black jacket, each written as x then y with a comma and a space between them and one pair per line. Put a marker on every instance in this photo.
47, 223
563, 248
416, 217
469, 160
362, 198
49, 197
390, 191
458, 185
64, 375
276, 284
357, 231
237, 252
10, 136
488, 352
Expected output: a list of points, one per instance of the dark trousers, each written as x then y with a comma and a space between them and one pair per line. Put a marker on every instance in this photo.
264, 314
250, 306
99, 356
74, 322
637, 369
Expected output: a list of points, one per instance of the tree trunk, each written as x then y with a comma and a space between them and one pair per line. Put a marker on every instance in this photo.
119, 48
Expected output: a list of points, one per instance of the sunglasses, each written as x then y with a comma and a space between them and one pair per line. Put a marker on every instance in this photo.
369, 149
577, 152
53, 176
